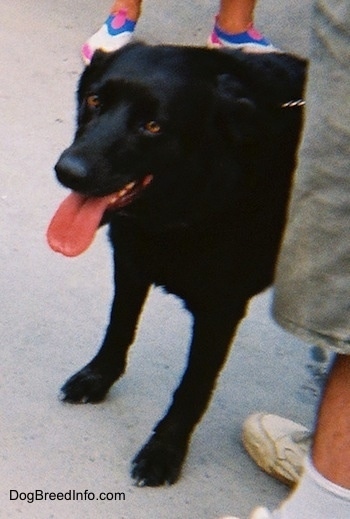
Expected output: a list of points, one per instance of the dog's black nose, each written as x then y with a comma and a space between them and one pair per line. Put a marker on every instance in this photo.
71, 171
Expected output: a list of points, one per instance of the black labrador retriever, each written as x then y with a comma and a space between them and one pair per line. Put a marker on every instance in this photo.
188, 154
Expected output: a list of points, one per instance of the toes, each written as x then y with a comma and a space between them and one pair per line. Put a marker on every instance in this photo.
86, 386
158, 463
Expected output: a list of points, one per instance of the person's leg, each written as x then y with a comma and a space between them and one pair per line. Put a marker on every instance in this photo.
133, 7
236, 16
312, 300
324, 489
331, 448
329, 467
234, 27
117, 29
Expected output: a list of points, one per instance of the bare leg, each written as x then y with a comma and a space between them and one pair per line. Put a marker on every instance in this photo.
331, 450
133, 8
324, 489
234, 28
236, 16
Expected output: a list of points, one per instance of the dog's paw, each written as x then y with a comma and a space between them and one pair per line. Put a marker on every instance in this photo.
158, 463
86, 386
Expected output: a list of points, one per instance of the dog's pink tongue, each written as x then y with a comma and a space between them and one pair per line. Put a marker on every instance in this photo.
75, 223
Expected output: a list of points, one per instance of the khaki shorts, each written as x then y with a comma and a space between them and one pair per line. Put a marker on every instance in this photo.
312, 287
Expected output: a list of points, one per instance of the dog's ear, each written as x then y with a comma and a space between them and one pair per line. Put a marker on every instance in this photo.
251, 93
100, 61
99, 58
274, 75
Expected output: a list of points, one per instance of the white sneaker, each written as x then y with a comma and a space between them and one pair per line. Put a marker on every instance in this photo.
116, 32
277, 445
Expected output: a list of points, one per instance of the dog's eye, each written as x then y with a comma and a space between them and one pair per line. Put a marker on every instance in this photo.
152, 127
93, 101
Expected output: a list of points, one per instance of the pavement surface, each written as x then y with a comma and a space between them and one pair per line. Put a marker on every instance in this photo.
54, 310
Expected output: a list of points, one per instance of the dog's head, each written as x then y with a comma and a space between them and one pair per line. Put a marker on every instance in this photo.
159, 127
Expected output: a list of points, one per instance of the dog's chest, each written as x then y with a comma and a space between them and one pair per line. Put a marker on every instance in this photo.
188, 264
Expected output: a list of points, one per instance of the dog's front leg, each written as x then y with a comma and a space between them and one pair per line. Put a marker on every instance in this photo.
159, 462
92, 382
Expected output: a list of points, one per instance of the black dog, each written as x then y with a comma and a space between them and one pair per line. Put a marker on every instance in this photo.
188, 153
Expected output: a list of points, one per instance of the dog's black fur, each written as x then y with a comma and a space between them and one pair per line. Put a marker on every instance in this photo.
221, 150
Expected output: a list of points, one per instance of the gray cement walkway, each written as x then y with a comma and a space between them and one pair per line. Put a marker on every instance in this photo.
53, 310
